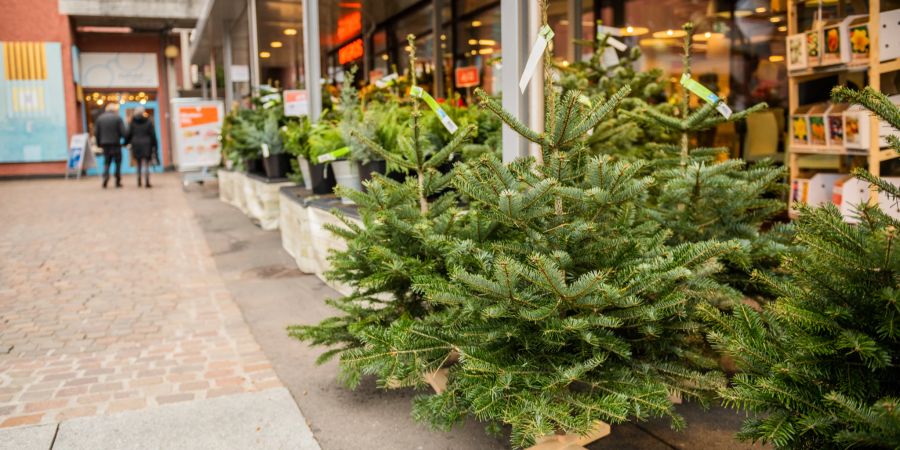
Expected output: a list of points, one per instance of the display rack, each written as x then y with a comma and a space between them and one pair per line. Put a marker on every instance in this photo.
874, 67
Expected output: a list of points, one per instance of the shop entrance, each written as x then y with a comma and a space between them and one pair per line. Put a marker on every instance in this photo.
128, 101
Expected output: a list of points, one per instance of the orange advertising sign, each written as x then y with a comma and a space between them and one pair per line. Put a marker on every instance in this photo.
350, 52
467, 76
191, 116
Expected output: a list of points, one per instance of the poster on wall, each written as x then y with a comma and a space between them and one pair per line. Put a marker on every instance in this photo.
114, 70
295, 102
197, 126
32, 103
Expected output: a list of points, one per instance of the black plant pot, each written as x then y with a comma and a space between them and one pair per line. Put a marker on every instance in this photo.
254, 166
370, 168
277, 166
322, 178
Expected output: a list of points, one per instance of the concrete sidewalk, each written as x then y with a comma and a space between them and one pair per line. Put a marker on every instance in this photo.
272, 293
255, 420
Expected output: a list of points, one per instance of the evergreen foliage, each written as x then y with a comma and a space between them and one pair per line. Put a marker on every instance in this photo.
821, 363
619, 134
701, 195
562, 303
400, 240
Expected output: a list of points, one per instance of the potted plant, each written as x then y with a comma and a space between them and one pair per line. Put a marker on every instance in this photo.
325, 146
295, 138
276, 161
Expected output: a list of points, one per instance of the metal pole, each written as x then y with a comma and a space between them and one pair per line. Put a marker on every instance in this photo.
513, 36
203, 91
227, 63
535, 91
213, 89
575, 29
254, 47
185, 43
312, 58
437, 29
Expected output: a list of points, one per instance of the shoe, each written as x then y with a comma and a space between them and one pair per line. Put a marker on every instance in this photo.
139, 183
118, 185
105, 182
148, 186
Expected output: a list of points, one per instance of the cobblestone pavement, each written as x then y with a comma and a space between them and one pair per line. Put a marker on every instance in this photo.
110, 301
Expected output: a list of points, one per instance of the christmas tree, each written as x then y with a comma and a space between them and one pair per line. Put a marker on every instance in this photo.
399, 240
564, 305
701, 196
604, 74
820, 363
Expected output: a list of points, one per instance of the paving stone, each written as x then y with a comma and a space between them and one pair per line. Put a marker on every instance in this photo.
110, 299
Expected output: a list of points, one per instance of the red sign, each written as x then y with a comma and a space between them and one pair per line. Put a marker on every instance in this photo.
350, 52
467, 76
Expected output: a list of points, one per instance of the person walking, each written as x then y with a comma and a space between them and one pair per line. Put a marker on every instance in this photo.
109, 130
142, 136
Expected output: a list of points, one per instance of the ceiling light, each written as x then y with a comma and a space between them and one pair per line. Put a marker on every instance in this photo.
775, 19
443, 37
669, 34
703, 37
476, 23
776, 58
743, 13
782, 28
634, 31
654, 42
761, 9
384, 56
473, 41
290, 31
91, 29
264, 54
486, 51
276, 44
473, 52
487, 42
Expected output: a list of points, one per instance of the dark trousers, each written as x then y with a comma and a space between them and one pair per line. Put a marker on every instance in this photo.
112, 153
143, 164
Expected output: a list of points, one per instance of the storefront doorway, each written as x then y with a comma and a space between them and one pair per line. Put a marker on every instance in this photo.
128, 101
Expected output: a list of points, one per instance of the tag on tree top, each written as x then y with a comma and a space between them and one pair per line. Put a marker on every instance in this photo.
704, 93
537, 50
417, 91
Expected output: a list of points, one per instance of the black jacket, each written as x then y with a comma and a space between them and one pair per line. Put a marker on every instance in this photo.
142, 137
109, 129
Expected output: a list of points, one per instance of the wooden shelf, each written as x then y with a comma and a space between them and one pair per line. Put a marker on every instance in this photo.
874, 68
814, 150
889, 66
823, 71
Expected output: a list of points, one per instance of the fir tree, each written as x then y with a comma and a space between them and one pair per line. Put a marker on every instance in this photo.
618, 133
398, 241
571, 308
701, 197
820, 364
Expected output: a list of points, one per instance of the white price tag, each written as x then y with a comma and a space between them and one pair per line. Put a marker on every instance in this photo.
537, 50
265, 150
609, 58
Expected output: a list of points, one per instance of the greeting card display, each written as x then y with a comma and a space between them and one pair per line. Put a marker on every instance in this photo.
889, 35
834, 125
859, 40
796, 49
816, 120
800, 126
814, 47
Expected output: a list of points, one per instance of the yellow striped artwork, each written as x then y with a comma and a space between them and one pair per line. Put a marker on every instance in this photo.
24, 61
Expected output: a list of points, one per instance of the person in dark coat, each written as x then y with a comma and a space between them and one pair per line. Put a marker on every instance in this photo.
109, 130
142, 137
